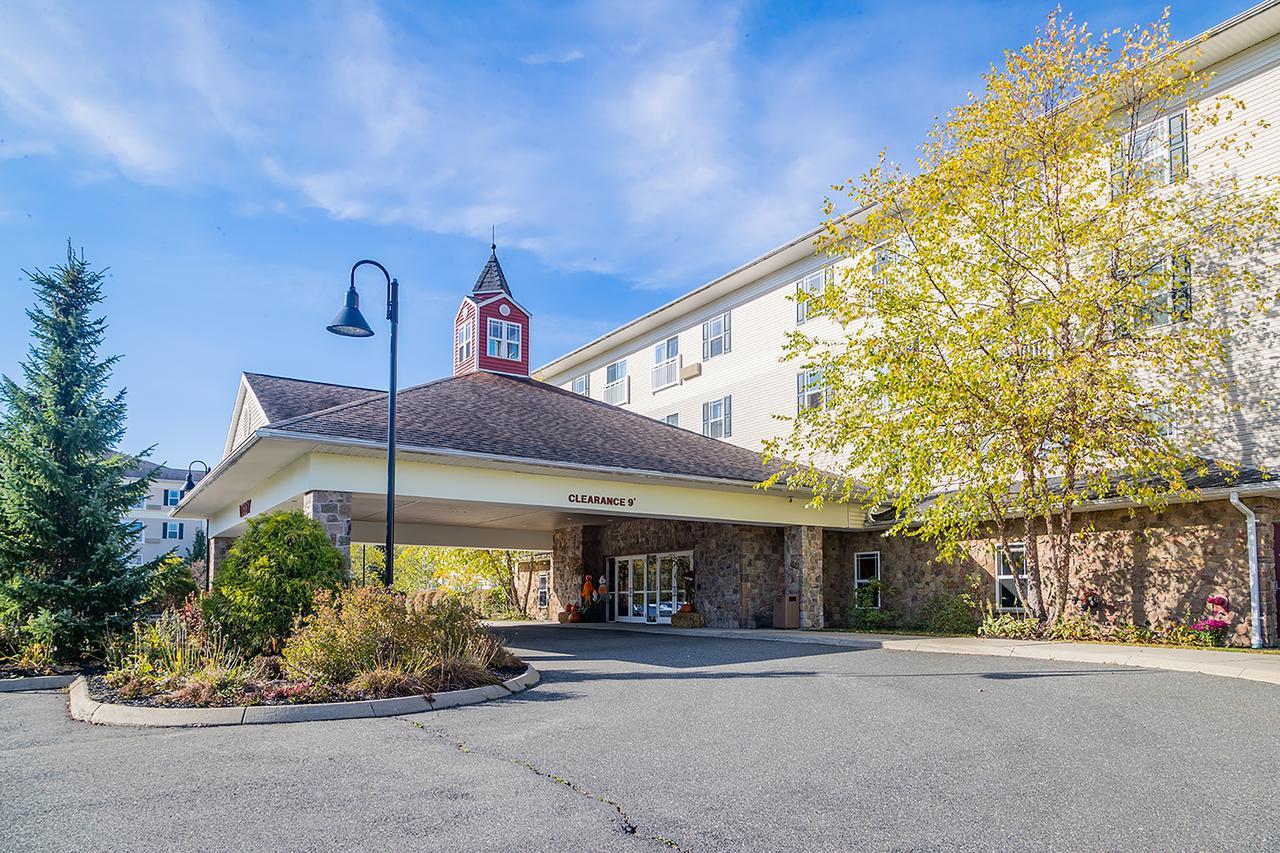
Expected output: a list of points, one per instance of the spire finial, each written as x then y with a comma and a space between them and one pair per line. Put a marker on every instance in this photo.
493, 238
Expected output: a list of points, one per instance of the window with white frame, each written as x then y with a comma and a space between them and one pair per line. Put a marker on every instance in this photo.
581, 385
142, 502
172, 530
717, 417
672, 419
666, 363
807, 289
172, 497
866, 579
617, 384
1169, 285
504, 340
715, 336
810, 392
464, 342
1011, 575
544, 590
1158, 149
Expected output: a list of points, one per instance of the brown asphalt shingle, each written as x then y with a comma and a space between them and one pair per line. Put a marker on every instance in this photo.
526, 419
282, 398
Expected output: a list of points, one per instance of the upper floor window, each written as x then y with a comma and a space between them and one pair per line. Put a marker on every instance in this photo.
715, 336
464, 342
172, 530
810, 392
581, 385
717, 417
1158, 149
1011, 575
672, 419
504, 340
666, 363
807, 289
172, 497
617, 385
1169, 284
142, 502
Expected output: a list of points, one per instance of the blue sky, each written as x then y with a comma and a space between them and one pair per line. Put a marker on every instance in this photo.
229, 162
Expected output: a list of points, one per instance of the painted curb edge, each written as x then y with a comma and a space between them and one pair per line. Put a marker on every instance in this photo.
37, 682
80, 706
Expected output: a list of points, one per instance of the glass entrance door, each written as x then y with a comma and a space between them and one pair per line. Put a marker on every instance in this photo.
649, 587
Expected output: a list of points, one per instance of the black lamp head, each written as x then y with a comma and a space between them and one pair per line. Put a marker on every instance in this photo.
350, 322
189, 485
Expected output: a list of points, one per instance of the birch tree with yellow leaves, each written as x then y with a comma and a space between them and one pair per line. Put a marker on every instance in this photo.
1021, 316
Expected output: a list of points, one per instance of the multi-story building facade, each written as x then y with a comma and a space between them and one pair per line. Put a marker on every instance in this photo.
711, 361
158, 534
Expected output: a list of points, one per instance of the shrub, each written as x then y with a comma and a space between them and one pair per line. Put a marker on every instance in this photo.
864, 615
1008, 626
270, 577
171, 585
180, 658
371, 641
950, 613
1075, 627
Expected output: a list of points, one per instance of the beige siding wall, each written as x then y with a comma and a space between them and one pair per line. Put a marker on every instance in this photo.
251, 419
762, 386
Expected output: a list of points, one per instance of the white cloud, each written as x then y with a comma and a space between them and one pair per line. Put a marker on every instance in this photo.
673, 154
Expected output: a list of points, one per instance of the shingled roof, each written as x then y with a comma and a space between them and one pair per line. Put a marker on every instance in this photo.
491, 279
510, 416
282, 398
162, 472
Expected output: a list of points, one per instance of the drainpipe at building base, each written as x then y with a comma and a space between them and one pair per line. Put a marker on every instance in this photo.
1255, 582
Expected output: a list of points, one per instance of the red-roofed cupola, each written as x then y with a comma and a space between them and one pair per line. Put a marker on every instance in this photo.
491, 329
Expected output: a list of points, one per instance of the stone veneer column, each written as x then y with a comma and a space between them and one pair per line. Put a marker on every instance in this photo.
218, 548
333, 510
802, 560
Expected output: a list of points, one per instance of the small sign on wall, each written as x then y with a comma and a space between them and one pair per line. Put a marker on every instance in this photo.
246, 508
602, 500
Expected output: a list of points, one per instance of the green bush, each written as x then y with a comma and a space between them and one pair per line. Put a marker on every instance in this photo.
270, 577
864, 615
1009, 627
372, 642
1074, 627
171, 585
950, 613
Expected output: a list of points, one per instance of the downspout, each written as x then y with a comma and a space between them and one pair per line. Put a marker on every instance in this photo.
1255, 582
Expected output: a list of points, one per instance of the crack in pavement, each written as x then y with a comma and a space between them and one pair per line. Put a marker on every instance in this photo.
628, 826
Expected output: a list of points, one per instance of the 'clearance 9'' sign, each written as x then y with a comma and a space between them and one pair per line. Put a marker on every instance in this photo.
602, 500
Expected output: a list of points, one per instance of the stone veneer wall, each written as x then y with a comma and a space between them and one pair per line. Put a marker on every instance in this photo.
333, 510
526, 579
737, 568
218, 548
1149, 567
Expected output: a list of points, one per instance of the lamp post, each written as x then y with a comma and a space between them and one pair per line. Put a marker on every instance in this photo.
350, 323
191, 483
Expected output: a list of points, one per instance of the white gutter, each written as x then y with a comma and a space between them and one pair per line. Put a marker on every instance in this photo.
1255, 581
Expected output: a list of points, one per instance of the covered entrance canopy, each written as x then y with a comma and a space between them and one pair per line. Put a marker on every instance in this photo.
495, 461
485, 460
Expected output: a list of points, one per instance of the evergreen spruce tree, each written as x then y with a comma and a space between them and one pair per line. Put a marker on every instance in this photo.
66, 553
199, 549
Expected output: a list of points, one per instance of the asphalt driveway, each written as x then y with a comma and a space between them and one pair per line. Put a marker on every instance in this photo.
636, 742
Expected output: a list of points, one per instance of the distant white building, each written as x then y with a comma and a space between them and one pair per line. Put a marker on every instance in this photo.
157, 532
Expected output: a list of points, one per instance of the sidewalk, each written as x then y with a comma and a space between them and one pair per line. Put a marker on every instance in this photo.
1252, 667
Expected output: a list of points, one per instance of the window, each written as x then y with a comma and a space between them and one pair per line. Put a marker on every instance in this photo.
172, 530
666, 363
617, 385
1170, 285
810, 286
672, 419
544, 592
717, 418
1177, 147
810, 393
464, 342
142, 502
582, 385
1158, 149
715, 337
504, 340
1011, 575
866, 577
172, 497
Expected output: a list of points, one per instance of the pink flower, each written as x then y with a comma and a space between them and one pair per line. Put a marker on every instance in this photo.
1211, 625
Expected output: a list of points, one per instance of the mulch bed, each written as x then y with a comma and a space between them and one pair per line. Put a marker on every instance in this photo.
101, 691
7, 671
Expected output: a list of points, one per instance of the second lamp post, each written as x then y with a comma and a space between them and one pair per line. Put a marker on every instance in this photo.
350, 323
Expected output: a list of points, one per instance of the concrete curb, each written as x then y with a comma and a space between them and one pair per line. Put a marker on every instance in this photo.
1264, 668
81, 707
36, 682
